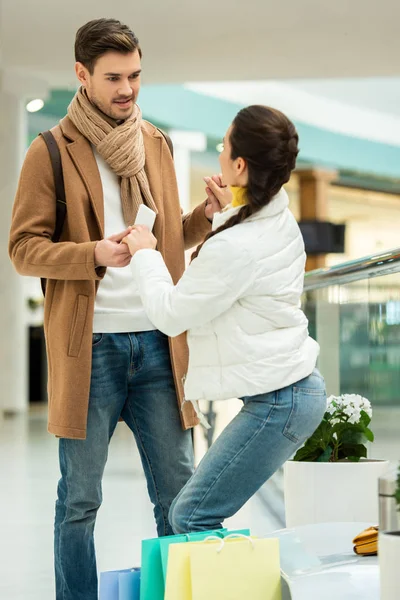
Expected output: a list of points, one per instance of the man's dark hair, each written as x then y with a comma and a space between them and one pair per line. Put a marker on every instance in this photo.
100, 36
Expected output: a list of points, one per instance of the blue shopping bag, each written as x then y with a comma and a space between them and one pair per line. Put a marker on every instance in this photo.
129, 585
123, 584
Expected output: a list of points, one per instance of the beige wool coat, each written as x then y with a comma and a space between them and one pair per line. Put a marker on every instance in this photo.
68, 266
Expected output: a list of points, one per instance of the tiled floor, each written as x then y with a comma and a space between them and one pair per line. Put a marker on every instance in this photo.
28, 478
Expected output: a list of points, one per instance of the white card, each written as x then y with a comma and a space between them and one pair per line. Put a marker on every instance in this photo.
145, 216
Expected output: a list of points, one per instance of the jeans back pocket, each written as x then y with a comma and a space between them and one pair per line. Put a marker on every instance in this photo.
308, 409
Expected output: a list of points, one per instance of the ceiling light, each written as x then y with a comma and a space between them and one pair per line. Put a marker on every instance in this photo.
220, 147
35, 105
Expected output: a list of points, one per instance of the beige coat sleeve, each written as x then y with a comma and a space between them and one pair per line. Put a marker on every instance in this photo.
33, 221
195, 226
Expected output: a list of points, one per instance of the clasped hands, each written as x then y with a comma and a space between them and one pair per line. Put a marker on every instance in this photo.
117, 250
139, 238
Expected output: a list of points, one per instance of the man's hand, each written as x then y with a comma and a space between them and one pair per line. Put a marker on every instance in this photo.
140, 238
218, 195
111, 253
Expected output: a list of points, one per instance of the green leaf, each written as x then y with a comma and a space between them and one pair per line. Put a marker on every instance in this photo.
352, 452
365, 419
353, 436
326, 455
305, 455
369, 435
310, 451
317, 444
339, 428
397, 492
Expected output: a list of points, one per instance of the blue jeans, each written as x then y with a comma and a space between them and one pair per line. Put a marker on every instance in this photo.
132, 378
265, 434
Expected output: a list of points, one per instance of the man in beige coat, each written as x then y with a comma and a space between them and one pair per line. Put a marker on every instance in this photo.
106, 360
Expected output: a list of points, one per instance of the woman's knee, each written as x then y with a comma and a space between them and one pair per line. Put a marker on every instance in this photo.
178, 518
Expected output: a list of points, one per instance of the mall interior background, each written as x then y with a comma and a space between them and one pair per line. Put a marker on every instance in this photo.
334, 69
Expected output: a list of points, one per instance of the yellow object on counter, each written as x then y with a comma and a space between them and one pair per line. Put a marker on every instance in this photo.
366, 542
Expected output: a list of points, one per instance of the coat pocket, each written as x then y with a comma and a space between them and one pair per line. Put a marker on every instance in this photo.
78, 325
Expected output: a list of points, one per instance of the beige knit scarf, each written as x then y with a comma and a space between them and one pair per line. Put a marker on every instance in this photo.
122, 148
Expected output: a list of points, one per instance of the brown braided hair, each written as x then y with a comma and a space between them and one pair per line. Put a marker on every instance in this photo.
268, 141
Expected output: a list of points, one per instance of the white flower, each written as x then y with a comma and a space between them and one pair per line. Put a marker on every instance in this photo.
355, 418
366, 406
347, 408
357, 403
349, 411
346, 400
333, 402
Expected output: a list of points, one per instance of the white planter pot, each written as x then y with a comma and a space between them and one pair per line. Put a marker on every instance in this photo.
325, 492
389, 561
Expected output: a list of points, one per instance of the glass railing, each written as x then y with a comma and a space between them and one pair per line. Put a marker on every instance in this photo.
354, 314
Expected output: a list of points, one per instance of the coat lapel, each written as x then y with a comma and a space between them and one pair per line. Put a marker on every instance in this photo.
82, 155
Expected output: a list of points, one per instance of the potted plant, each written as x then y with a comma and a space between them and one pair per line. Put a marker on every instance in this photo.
397, 492
389, 535
330, 478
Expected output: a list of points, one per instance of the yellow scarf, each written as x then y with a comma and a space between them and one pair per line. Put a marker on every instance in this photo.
239, 196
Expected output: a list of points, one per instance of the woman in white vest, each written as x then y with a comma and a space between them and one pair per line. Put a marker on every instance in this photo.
239, 301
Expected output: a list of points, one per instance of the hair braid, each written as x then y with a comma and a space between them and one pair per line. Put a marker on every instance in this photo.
268, 141
237, 218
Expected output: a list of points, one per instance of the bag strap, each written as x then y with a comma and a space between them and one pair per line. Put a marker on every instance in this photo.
168, 140
61, 204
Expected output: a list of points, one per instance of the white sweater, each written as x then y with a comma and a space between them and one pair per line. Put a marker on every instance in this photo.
240, 302
118, 307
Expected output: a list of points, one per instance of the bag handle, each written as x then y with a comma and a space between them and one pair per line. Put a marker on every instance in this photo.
230, 536
217, 536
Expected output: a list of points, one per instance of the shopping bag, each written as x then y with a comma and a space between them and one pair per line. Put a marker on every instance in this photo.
152, 583
123, 584
197, 536
129, 585
234, 568
178, 578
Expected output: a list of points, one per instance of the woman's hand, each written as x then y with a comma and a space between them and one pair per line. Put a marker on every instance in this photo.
218, 194
140, 238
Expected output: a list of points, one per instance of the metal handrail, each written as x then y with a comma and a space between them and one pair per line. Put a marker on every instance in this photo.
367, 267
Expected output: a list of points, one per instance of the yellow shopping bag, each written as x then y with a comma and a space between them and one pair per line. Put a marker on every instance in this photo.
235, 568
178, 585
